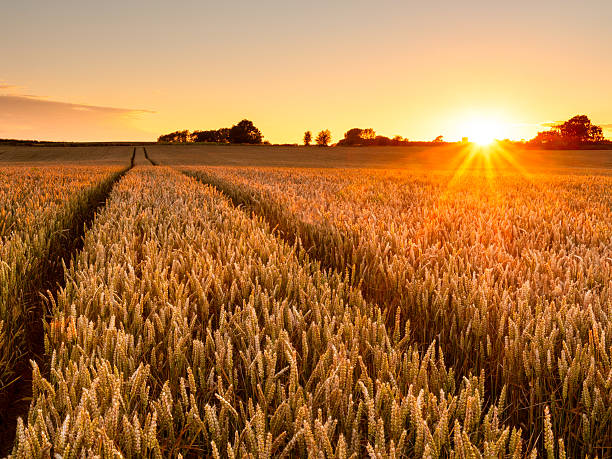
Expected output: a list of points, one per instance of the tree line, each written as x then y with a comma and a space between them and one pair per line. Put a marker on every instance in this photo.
356, 137
577, 131
242, 132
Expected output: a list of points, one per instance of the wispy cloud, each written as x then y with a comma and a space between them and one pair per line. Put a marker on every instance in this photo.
9, 88
42, 103
551, 124
25, 116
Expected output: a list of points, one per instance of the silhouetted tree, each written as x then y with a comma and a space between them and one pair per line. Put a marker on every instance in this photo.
323, 138
223, 135
368, 138
380, 141
213, 136
244, 132
307, 138
175, 137
357, 136
439, 139
575, 131
368, 134
200, 136
579, 129
351, 137
548, 138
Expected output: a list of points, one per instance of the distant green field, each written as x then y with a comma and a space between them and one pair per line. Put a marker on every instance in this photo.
446, 158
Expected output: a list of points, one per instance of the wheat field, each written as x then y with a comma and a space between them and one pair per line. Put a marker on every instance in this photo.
36, 205
232, 311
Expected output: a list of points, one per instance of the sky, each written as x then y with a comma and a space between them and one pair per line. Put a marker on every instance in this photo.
132, 70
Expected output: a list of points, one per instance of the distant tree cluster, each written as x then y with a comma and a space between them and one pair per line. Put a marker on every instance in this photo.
242, 132
175, 137
576, 131
367, 137
213, 136
323, 138
358, 137
307, 138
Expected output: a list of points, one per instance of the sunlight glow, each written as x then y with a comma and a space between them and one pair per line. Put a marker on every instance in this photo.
483, 131
491, 162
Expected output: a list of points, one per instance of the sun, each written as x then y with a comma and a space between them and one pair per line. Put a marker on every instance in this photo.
483, 131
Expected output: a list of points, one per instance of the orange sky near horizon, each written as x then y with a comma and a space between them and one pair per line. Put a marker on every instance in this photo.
81, 70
